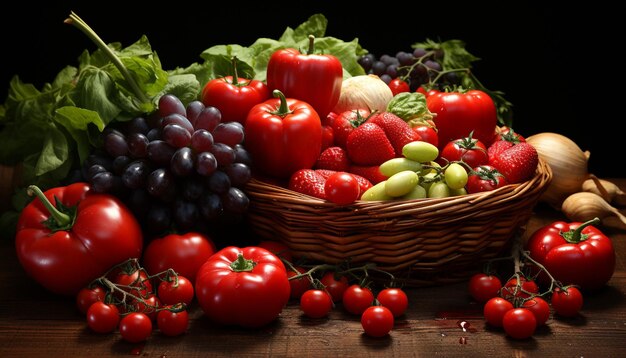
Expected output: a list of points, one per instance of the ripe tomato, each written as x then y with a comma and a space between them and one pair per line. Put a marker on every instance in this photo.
346, 122
357, 299
335, 286
485, 178
277, 248
395, 299
136, 282
88, 296
172, 323
539, 307
470, 150
175, 290
183, 253
135, 327
567, 302
148, 305
342, 188
103, 317
377, 321
397, 85
316, 303
524, 290
483, 287
428, 134
234, 96
298, 285
495, 309
509, 135
458, 114
519, 323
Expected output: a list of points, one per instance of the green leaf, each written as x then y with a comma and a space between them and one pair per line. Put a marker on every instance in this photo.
199, 70
410, 106
95, 91
66, 77
76, 121
185, 86
315, 25
54, 153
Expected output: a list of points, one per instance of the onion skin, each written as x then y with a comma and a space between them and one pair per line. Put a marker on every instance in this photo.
365, 91
568, 162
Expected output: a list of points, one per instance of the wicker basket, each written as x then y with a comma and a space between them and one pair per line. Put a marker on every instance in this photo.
422, 242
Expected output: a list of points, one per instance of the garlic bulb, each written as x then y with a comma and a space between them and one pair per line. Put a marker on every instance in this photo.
584, 206
567, 161
606, 189
366, 91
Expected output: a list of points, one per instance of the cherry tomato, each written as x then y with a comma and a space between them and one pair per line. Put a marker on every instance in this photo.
468, 149
397, 85
135, 327
135, 282
172, 323
88, 296
495, 309
234, 96
483, 287
316, 303
342, 188
485, 178
103, 317
539, 307
175, 290
428, 134
357, 299
298, 285
277, 248
148, 305
395, 299
519, 323
335, 286
524, 290
567, 302
377, 321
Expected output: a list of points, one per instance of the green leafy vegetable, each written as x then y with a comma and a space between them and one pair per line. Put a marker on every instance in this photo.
410, 106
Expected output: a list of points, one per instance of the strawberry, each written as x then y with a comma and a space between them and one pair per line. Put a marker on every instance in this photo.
368, 145
333, 158
518, 163
498, 147
344, 123
364, 184
397, 130
307, 181
371, 173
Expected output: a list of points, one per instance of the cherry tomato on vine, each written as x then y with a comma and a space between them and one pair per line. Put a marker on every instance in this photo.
356, 299
316, 303
88, 296
495, 309
539, 307
298, 285
135, 282
335, 286
103, 317
567, 302
485, 178
524, 290
172, 323
519, 323
342, 188
377, 321
395, 299
172, 291
470, 150
148, 305
135, 327
483, 287
397, 85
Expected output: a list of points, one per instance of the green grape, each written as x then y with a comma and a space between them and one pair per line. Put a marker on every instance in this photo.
401, 183
426, 180
417, 193
426, 170
456, 176
420, 151
396, 165
458, 192
439, 190
376, 192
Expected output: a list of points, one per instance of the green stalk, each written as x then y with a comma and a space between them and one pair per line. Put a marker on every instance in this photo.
82, 26
62, 220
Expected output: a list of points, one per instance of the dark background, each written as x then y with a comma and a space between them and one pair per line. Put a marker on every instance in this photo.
560, 66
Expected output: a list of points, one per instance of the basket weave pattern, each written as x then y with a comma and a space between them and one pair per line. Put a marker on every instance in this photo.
422, 241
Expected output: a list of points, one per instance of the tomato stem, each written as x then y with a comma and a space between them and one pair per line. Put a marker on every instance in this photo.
283, 109
311, 49
61, 220
242, 264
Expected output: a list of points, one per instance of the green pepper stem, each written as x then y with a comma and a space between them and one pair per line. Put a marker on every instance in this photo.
577, 235
311, 49
235, 75
61, 218
242, 264
283, 109
82, 26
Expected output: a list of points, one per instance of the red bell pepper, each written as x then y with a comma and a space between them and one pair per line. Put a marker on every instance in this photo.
234, 96
574, 253
67, 245
315, 79
283, 135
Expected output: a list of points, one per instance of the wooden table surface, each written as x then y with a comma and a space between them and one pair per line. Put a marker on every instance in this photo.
35, 323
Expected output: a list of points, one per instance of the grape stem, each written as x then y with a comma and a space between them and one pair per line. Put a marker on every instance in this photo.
77, 22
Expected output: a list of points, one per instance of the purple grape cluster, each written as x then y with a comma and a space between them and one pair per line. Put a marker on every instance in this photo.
182, 168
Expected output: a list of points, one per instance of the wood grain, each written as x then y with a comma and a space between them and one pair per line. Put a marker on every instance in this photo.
34, 323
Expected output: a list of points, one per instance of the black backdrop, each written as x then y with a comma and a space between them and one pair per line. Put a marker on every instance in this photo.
560, 66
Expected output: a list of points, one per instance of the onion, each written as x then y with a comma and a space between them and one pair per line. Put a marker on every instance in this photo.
365, 91
568, 163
